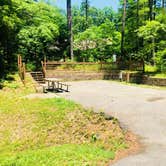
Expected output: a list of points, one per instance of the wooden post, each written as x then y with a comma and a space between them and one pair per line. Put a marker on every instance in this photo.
21, 69
19, 65
18, 61
101, 65
45, 60
84, 66
127, 76
24, 72
43, 63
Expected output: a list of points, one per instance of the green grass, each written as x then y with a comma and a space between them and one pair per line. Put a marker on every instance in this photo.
150, 69
67, 154
159, 75
153, 72
88, 67
53, 131
141, 85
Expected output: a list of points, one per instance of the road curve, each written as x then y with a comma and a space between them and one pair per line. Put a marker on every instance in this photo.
141, 110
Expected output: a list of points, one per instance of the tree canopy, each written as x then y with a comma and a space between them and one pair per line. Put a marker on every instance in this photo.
36, 29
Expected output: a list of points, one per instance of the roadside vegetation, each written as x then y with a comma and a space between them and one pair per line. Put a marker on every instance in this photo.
53, 131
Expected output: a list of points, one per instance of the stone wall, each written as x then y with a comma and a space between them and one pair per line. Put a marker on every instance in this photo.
71, 75
81, 75
154, 81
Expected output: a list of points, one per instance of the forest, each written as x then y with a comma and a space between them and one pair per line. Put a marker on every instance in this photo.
38, 29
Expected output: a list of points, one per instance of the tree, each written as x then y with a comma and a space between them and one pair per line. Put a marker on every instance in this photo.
123, 27
151, 31
9, 26
85, 8
33, 29
163, 4
150, 9
69, 21
98, 43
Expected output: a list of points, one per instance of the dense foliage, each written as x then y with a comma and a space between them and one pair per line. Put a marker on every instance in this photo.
32, 29
36, 29
145, 27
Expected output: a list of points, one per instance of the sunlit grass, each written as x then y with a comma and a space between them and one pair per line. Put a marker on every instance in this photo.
150, 69
53, 131
159, 75
87, 67
67, 154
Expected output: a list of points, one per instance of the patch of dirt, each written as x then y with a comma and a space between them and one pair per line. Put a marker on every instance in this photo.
153, 99
135, 147
81, 127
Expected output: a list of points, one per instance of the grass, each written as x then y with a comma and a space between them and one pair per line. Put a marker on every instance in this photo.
141, 85
53, 131
159, 75
67, 154
87, 67
150, 69
153, 72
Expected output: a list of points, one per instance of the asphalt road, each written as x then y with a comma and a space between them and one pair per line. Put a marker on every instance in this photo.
140, 110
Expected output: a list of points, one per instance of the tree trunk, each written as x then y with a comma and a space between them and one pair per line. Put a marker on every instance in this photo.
123, 26
137, 25
150, 10
153, 51
69, 21
86, 12
86, 16
163, 4
154, 9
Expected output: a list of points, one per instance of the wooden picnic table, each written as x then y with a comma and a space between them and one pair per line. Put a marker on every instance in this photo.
55, 84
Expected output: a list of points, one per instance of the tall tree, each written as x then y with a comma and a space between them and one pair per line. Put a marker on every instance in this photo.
137, 24
69, 21
85, 5
150, 10
123, 26
163, 4
86, 11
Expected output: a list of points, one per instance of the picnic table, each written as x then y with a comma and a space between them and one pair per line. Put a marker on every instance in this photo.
55, 84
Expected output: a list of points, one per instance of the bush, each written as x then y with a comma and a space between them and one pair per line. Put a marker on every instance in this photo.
161, 60
163, 66
30, 67
150, 68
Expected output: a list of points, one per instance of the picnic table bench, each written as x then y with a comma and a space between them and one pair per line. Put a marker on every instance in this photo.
55, 84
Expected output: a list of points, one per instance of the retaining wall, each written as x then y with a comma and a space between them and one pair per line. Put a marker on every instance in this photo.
69, 75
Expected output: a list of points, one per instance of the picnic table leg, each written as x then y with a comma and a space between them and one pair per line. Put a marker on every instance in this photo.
54, 86
61, 86
57, 85
67, 88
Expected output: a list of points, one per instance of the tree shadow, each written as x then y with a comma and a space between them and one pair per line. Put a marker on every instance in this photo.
7, 78
1, 86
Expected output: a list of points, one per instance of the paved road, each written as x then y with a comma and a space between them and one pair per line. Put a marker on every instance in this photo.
141, 110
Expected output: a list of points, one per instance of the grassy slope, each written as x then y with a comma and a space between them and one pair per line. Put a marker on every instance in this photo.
53, 131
